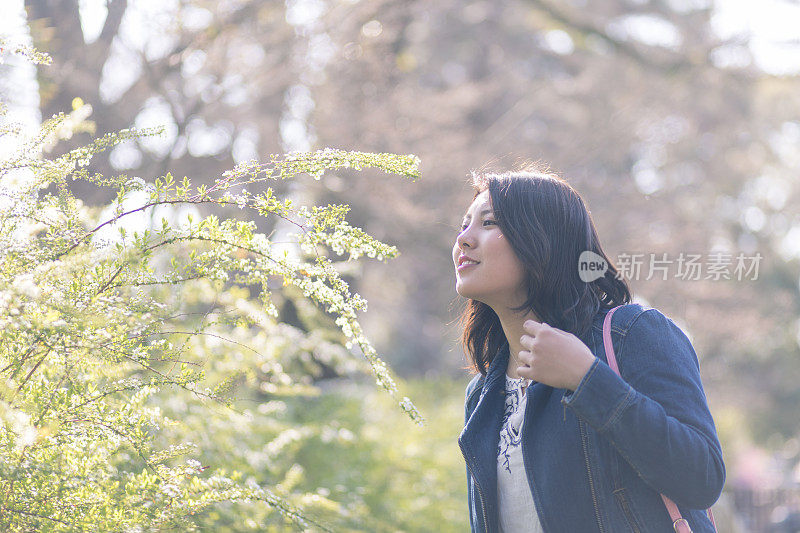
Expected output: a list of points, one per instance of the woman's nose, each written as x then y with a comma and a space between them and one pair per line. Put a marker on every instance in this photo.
464, 239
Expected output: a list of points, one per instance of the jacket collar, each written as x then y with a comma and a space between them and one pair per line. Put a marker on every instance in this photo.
481, 433
497, 368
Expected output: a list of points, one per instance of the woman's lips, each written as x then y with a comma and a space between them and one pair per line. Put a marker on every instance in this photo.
465, 265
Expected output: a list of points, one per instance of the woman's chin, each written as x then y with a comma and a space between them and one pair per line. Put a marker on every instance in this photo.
460, 289
465, 292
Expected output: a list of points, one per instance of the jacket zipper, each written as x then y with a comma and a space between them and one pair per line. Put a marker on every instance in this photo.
589, 472
480, 493
627, 510
475, 481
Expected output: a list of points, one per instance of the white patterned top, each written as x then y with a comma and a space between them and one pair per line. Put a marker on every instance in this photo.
517, 508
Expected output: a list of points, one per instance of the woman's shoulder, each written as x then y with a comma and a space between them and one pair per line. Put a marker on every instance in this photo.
647, 330
641, 317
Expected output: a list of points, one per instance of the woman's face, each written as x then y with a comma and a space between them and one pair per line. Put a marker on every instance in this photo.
497, 279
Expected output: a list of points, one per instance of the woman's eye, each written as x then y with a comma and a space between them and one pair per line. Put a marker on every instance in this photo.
464, 225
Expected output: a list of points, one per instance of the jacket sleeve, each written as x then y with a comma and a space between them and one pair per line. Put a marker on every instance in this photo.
657, 417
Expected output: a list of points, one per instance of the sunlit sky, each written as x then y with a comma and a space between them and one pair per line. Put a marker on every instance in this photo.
773, 27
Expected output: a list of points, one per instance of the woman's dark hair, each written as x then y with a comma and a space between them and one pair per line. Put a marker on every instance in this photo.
548, 226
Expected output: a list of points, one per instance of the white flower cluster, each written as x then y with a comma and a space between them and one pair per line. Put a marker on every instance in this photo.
19, 424
25, 284
171, 490
194, 465
135, 184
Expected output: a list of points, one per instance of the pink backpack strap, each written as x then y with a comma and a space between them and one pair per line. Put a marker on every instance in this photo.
679, 524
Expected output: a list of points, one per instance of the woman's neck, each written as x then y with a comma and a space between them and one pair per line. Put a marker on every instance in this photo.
512, 322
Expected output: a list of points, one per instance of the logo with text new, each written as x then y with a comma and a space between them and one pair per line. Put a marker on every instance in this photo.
591, 266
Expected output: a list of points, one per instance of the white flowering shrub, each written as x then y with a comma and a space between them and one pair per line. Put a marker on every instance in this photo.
124, 353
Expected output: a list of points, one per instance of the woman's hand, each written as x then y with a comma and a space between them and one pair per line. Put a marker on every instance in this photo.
553, 356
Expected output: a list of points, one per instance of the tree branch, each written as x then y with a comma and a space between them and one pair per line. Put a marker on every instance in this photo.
626, 48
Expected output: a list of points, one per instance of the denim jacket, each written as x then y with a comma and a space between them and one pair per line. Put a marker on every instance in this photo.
597, 458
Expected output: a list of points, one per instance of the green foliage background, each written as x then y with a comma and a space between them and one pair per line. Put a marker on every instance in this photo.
189, 375
355, 458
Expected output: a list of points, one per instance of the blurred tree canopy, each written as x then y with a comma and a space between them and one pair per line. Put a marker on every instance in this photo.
676, 138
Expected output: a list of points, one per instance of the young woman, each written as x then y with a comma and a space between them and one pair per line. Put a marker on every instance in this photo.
554, 440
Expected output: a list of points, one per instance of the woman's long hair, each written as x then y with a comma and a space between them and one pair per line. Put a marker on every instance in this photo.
548, 226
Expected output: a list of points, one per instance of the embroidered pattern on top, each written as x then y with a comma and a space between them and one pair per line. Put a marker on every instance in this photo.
511, 428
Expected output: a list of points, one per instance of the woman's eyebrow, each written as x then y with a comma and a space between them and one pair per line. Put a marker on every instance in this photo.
484, 212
